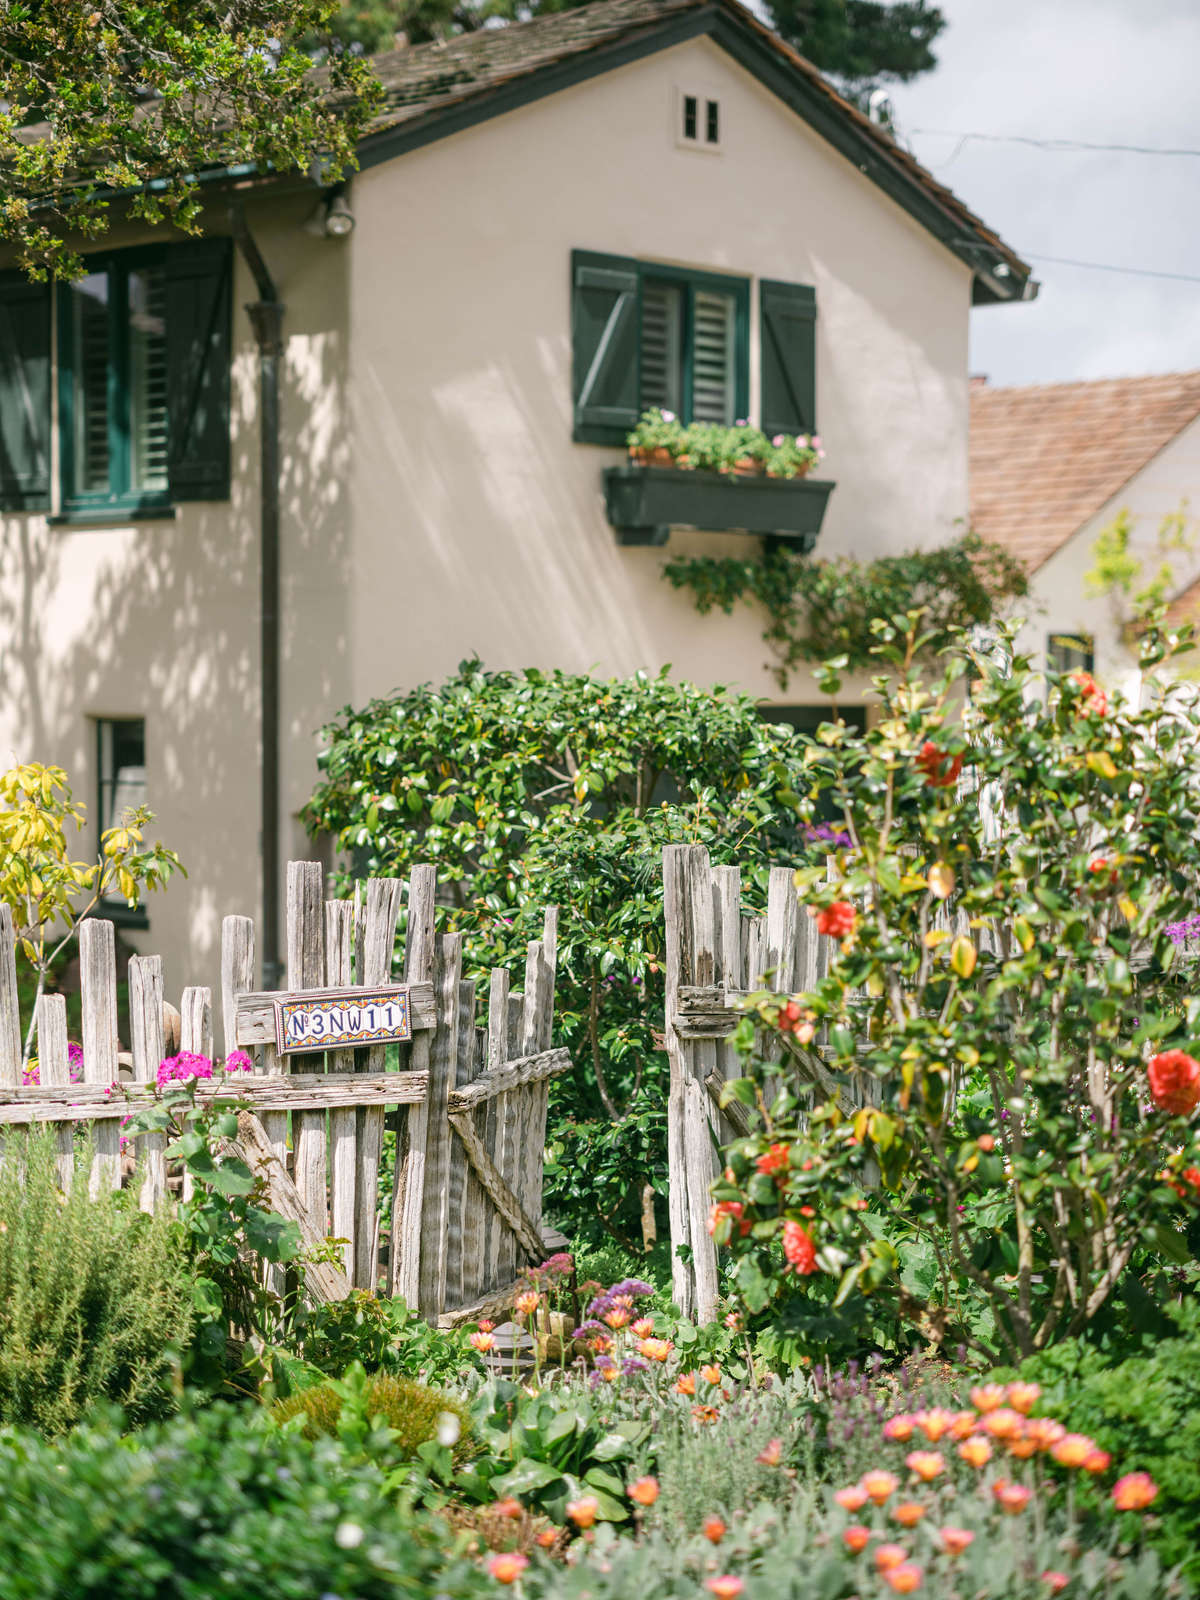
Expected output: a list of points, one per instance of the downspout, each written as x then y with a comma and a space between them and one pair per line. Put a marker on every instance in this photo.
266, 317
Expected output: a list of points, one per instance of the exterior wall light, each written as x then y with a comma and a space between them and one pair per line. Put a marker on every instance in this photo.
333, 218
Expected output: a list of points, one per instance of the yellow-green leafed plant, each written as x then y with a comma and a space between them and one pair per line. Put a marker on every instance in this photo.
48, 892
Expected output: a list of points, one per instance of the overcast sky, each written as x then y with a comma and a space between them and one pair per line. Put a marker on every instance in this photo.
1103, 71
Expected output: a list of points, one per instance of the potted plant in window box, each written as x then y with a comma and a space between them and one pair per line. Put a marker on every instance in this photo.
793, 455
658, 439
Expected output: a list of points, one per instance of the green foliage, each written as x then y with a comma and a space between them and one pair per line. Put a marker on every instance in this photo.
95, 1303
225, 1229
139, 98
1146, 1412
384, 1335
1001, 1082
859, 41
532, 789
1139, 598
413, 1413
220, 1505
819, 610
709, 447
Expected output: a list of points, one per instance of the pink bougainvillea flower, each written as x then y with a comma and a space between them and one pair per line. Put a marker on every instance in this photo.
976, 1452
854, 1497
878, 1485
1174, 1082
927, 1464
726, 1588
1134, 1492
799, 1249
1023, 1397
1011, 1497
856, 1537
904, 1578
956, 1540
837, 921
889, 1555
506, 1566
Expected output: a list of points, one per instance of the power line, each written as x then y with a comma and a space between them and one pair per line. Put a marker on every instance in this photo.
1067, 145
1101, 266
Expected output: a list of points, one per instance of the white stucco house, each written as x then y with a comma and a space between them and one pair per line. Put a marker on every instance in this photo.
1053, 466
220, 528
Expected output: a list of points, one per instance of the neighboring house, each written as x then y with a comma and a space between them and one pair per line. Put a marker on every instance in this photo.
555, 224
1052, 466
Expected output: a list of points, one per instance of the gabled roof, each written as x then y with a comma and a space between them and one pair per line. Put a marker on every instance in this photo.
434, 90
1185, 607
1046, 459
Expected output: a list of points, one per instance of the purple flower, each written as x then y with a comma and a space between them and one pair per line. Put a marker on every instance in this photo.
75, 1062
1181, 932
824, 833
631, 1364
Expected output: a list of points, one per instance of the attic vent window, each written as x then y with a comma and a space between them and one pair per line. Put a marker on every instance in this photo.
698, 121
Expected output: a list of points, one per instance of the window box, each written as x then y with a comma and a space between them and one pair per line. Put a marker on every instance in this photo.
645, 503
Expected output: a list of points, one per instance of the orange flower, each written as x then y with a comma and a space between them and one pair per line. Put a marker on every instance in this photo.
908, 1513
654, 1349
771, 1454
713, 1530
1056, 1582
482, 1342
904, 1578
528, 1302
1044, 1431
507, 1566
855, 1497
976, 1452
1022, 1447
956, 1540
729, 1208
799, 1250
1073, 1449
583, 1512
1174, 1082
643, 1327
1023, 1397
618, 1317
1098, 1461
1092, 697
935, 1423
485, 1326
705, 1413
889, 1555
941, 769
644, 1492
1011, 1497
727, 1588
856, 1537
838, 920
685, 1383
1003, 1424
927, 1464
878, 1484
1134, 1492
986, 1142
711, 1373
899, 1428
988, 1396
963, 1425
510, 1506
547, 1538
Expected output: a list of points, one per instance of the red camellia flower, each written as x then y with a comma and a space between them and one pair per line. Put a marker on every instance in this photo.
838, 920
774, 1160
941, 770
1174, 1082
1092, 697
799, 1250
729, 1208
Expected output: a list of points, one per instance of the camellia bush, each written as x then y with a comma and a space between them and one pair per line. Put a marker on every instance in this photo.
1012, 1136
529, 789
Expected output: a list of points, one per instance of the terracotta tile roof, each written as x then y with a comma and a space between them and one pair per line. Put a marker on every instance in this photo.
1045, 459
1185, 607
424, 80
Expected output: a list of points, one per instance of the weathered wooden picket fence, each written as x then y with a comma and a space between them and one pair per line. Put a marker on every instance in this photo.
715, 955
467, 1103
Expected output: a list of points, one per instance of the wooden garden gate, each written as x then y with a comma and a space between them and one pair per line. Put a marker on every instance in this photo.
466, 1103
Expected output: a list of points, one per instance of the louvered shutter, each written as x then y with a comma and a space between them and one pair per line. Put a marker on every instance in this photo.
24, 394
788, 325
662, 347
199, 305
712, 357
604, 346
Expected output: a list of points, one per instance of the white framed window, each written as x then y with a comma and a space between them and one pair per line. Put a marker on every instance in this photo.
696, 117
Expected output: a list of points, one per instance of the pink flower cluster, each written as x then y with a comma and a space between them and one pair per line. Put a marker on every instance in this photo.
187, 1066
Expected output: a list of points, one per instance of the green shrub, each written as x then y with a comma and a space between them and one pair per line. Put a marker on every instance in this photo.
1146, 1412
384, 1335
94, 1298
216, 1506
413, 1412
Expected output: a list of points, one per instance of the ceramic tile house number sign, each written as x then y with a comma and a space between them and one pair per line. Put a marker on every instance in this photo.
330, 1019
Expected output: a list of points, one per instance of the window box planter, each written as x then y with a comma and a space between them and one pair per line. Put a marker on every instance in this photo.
645, 503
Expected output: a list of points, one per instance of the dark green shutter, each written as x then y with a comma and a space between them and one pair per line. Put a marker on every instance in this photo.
788, 328
199, 337
24, 394
604, 346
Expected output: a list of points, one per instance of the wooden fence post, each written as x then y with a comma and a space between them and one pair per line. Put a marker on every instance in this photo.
10, 1016
408, 1200
146, 1046
306, 970
379, 942
54, 1073
443, 1065
98, 983
196, 1034
343, 1166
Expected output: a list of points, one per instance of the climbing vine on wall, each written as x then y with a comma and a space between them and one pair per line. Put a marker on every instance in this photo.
821, 609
